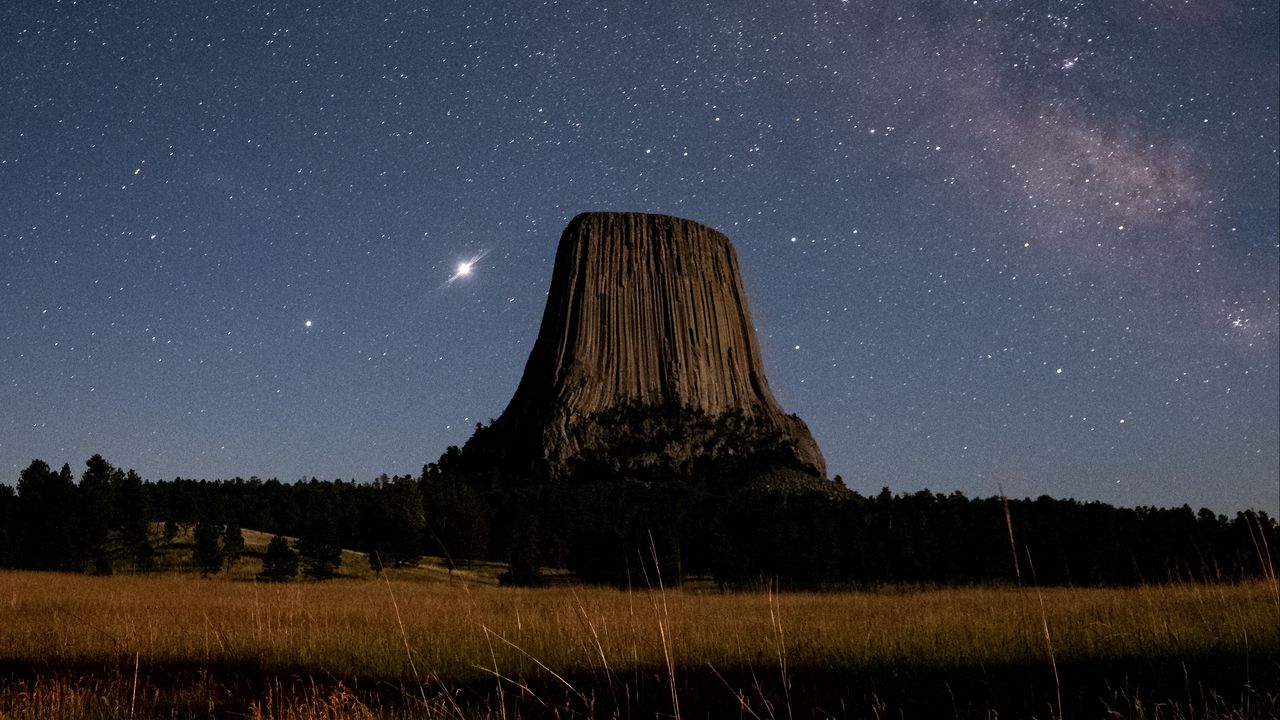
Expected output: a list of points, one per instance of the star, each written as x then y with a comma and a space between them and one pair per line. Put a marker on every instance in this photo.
465, 268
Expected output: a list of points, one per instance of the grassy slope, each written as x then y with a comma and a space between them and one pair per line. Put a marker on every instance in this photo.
175, 558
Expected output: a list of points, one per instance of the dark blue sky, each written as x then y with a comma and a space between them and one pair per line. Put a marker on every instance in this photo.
1028, 245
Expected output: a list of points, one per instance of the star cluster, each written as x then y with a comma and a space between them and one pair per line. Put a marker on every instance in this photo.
1020, 245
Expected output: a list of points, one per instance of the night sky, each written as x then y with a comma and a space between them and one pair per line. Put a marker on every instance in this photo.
1020, 245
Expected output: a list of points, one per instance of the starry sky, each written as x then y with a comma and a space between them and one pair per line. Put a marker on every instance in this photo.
1022, 245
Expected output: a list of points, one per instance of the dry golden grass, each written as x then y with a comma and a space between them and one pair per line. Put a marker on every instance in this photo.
355, 626
409, 633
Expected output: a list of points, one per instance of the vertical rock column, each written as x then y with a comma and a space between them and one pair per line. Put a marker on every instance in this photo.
644, 310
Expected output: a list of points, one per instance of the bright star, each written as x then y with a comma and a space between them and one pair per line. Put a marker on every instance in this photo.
465, 268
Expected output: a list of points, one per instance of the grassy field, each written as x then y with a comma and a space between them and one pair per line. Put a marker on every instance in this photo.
420, 643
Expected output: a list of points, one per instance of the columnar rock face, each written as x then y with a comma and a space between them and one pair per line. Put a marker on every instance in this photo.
644, 310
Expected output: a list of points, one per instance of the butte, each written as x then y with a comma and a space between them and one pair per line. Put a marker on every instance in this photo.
646, 346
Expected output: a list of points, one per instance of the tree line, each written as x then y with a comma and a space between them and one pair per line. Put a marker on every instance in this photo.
613, 523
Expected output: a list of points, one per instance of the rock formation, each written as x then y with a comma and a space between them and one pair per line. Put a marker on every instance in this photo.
644, 311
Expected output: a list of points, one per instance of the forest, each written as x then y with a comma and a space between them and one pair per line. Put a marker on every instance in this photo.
614, 530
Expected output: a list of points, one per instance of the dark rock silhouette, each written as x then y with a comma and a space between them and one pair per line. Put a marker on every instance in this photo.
645, 311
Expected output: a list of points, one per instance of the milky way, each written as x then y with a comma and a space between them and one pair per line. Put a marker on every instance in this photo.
1029, 246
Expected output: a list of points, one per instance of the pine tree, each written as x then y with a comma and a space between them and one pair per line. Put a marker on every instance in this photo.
319, 549
207, 554
8, 529
170, 531
134, 520
46, 512
393, 522
232, 543
97, 503
280, 563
